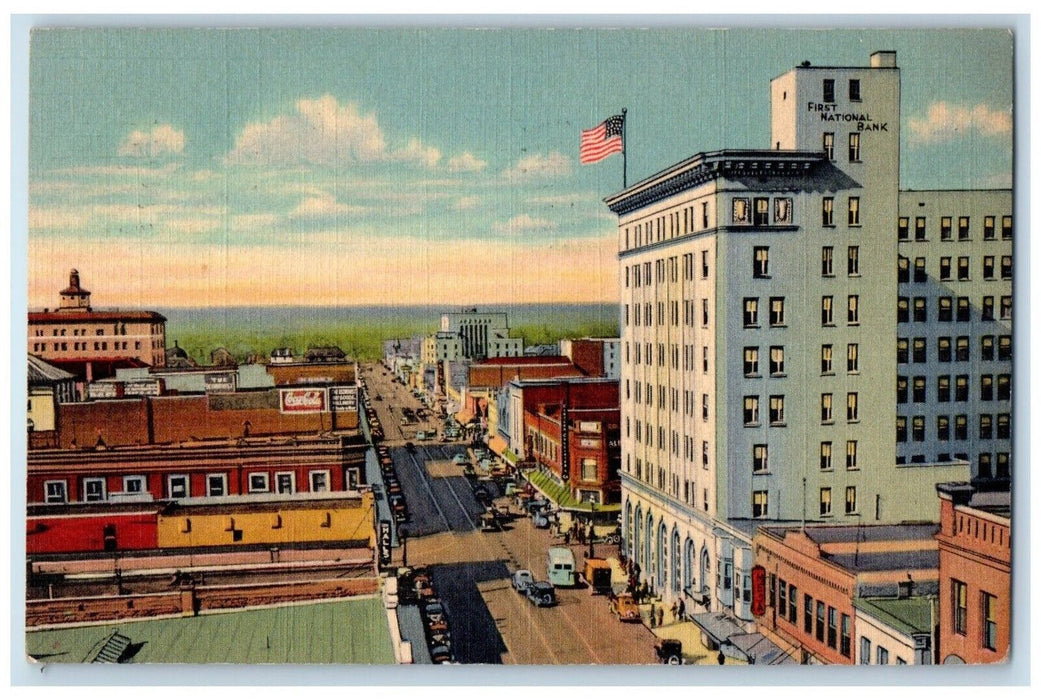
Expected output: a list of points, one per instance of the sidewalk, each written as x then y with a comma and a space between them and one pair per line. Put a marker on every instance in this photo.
694, 652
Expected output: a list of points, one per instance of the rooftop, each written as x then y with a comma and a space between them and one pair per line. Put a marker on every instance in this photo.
861, 562
41, 372
912, 615
82, 316
338, 632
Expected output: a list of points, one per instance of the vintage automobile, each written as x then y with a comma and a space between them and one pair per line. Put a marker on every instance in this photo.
625, 607
522, 580
541, 593
669, 651
441, 654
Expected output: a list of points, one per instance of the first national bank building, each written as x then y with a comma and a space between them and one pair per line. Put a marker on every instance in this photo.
780, 362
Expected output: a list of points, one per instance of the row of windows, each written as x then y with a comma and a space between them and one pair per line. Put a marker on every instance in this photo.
756, 211
987, 429
78, 346
643, 354
668, 225
836, 634
827, 408
945, 309
946, 228
751, 411
988, 614
640, 274
647, 475
828, 90
761, 457
919, 384
751, 312
179, 485
751, 361
117, 329
903, 268
828, 144
919, 347
881, 654
668, 312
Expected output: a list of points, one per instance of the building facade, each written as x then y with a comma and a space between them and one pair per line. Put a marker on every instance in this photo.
975, 575
85, 340
482, 334
756, 285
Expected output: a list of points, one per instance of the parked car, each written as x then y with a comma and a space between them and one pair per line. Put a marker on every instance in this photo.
441, 654
489, 523
522, 580
540, 520
460, 459
541, 593
669, 651
625, 607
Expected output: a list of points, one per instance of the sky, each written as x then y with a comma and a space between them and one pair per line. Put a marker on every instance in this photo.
347, 166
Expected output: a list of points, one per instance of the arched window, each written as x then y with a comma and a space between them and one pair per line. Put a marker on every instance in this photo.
648, 549
675, 561
638, 525
663, 557
627, 545
705, 570
688, 566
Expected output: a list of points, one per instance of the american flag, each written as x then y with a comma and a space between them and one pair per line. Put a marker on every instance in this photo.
601, 141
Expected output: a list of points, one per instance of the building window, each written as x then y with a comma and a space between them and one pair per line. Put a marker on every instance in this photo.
918, 391
961, 427
285, 482
825, 502
945, 310
854, 90
320, 478
1004, 348
865, 651
945, 228
1006, 267
919, 312
882, 656
854, 147
963, 309
961, 348
751, 410
988, 267
986, 387
258, 482
829, 145
216, 484
853, 309
851, 500
782, 599
963, 268
762, 211
751, 315
820, 621
1006, 228
807, 614
918, 349
833, 631
55, 492
1006, 308
987, 313
93, 489
827, 317
852, 358
1004, 426
740, 211
945, 268
851, 455
828, 90
903, 228
825, 459
177, 486
704, 407
901, 351
853, 218
828, 211
986, 426
776, 311
760, 504
134, 484
777, 361
776, 410
901, 389
943, 428
704, 264
943, 349
990, 621
903, 270
902, 310
844, 639
852, 411
826, 354
963, 228
919, 228
1004, 387
901, 428
827, 261
853, 261
826, 416
761, 262
961, 387
760, 459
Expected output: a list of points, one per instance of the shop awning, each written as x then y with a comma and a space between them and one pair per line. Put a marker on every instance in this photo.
497, 444
464, 416
756, 649
718, 626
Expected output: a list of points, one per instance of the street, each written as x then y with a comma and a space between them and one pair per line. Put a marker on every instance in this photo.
489, 621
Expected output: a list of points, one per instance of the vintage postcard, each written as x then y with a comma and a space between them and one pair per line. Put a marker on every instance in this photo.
417, 345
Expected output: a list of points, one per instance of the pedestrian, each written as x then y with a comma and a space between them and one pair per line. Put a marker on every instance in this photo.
674, 610
682, 609
721, 659
654, 614
636, 569
661, 615
567, 538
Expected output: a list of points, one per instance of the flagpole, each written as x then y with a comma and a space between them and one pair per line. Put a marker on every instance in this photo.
624, 146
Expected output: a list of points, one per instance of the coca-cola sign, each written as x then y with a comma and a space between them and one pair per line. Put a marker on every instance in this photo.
302, 400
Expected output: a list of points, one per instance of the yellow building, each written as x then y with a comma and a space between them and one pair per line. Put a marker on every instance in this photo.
249, 520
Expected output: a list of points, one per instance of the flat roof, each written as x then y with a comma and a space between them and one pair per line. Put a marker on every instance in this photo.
860, 562
352, 631
912, 615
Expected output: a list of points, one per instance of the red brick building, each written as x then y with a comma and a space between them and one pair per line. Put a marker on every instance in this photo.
813, 574
975, 574
280, 465
572, 429
494, 373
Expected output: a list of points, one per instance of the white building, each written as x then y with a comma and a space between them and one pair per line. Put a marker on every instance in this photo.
483, 334
759, 337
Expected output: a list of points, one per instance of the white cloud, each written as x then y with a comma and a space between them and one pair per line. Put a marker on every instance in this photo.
564, 199
465, 203
325, 205
160, 140
524, 223
944, 122
119, 170
466, 162
323, 132
552, 164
